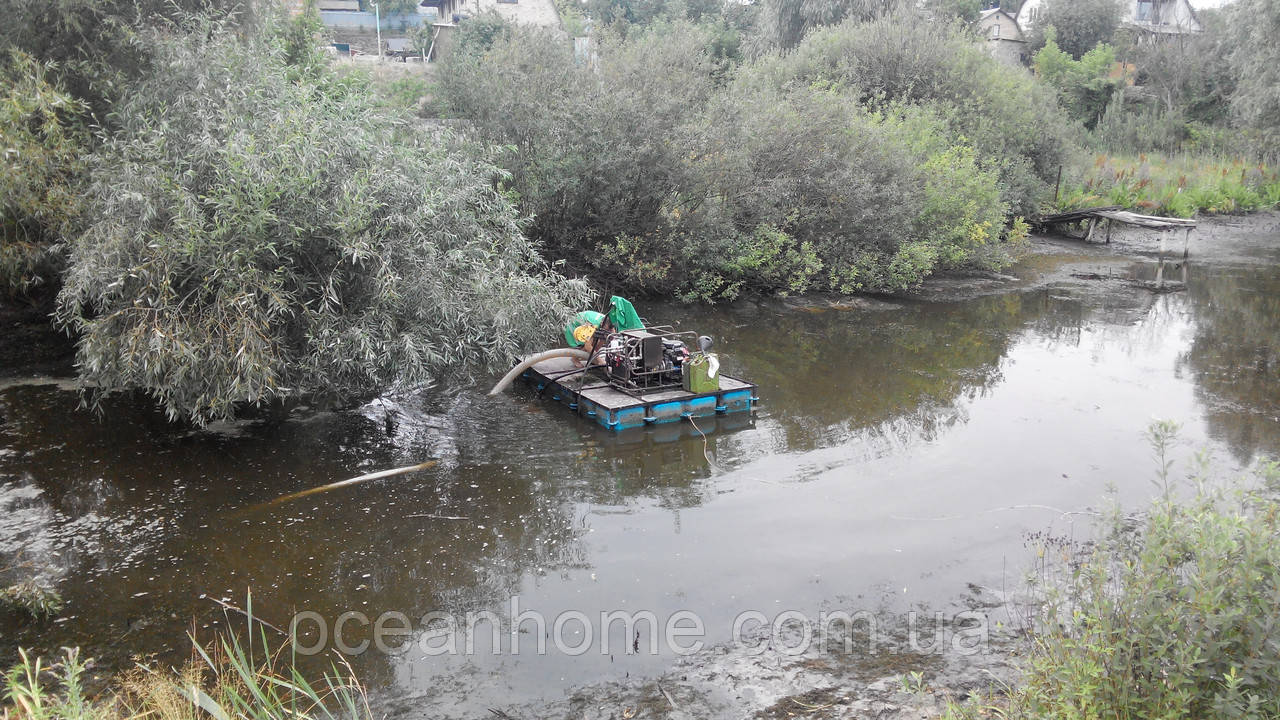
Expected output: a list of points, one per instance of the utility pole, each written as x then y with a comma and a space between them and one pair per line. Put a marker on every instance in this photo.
377, 22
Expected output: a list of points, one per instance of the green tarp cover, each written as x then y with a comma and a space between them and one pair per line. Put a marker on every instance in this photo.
586, 317
623, 315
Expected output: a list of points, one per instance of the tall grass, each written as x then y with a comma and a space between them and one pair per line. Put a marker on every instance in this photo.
228, 679
1173, 186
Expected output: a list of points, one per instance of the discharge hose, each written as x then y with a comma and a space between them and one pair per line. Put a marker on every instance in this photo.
530, 362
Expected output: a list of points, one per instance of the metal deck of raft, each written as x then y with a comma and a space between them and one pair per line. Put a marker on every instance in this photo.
1115, 214
616, 410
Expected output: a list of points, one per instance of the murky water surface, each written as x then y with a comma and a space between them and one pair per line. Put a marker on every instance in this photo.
902, 451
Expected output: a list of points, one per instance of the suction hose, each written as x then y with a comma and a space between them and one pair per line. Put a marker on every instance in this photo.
547, 355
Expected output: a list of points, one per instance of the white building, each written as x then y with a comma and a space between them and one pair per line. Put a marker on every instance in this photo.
525, 12
1160, 17
1003, 36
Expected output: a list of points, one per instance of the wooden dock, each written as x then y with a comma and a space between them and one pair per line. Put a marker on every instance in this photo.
1115, 214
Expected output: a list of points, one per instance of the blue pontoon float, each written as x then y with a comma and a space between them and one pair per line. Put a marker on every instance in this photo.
593, 397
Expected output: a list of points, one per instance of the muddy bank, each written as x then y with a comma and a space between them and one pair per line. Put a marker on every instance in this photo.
911, 674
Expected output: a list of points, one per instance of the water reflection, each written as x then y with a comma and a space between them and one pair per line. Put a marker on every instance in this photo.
1233, 357
876, 418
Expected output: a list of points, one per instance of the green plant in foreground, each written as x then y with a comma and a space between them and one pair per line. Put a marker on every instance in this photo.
27, 693
1169, 615
233, 678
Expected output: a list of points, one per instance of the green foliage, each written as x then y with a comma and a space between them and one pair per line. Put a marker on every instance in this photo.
1255, 61
1169, 616
250, 679
1176, 186
1080, 25
572, 17
595, 152
300, 38
275, 237
782, 24
966, 11
42, 142
1186, 74
26, 690
476, 35
1085, 86
1010, 120
1143, 128
664, 168
32, 599
391, 8
619, 14
93, 48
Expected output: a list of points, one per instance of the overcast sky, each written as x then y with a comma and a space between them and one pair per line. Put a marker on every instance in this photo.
1199, 4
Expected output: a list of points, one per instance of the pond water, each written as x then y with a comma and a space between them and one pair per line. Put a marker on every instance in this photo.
903, 451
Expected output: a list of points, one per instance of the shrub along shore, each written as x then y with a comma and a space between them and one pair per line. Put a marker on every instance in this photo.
222, 219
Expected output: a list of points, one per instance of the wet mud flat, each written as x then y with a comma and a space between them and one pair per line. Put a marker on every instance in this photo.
912, 673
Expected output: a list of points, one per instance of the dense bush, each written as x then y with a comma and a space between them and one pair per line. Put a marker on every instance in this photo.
595, 153
782, 24
1171, 616
658, 167
1085, 86
93, 48
1255, 59
41, 141
256, 235
1009, 119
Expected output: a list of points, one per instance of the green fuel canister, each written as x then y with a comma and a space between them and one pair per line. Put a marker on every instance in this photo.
696, 375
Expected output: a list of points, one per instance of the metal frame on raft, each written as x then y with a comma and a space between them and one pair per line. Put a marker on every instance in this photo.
638, 380
610, 408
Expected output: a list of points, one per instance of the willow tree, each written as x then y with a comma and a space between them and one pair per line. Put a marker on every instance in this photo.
41, 145
1255, 61
257, 236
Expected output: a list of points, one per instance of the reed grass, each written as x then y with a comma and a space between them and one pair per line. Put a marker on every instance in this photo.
228, 679
1172, 186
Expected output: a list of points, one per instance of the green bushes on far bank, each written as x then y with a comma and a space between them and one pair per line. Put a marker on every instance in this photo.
1177, 186
874, 155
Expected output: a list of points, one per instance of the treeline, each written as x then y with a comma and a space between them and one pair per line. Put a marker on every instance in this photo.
872, 154
220, 218
1213, 92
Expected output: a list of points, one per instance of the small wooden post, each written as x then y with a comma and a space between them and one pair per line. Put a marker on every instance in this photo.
1093, 224
1164, 236
1110, 222
1186, 243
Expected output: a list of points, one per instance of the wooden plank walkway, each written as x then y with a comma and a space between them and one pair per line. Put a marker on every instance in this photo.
1112, 214
1116, 214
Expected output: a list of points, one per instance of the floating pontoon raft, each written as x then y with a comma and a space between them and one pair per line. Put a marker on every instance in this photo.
617, 410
